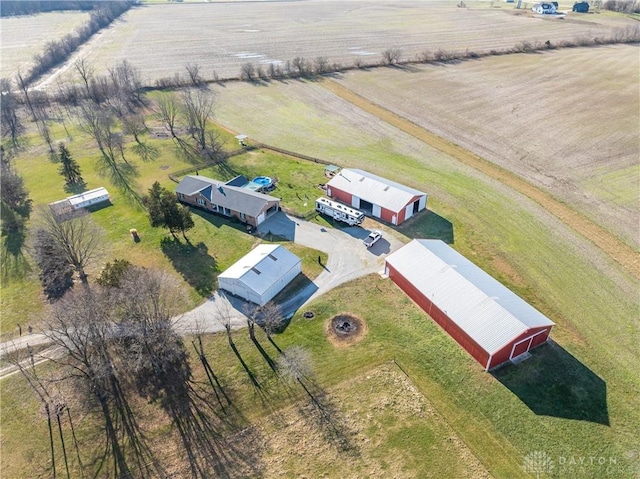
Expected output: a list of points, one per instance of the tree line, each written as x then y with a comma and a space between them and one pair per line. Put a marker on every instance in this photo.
11, 8
57, 51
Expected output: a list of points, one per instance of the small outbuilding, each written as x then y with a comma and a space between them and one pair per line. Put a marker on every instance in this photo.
376, 196
581, 7
75, 204
261, 274
491, 322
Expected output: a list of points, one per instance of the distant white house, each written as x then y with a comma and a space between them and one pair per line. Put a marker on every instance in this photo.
261, 274
545, 8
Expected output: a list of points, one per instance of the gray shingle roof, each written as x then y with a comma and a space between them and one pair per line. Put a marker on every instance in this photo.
227, 196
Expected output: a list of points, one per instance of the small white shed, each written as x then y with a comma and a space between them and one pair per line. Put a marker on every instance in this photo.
261, 274
89, 198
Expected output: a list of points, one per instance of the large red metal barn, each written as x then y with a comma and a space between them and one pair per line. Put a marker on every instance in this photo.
486, 318
376, 196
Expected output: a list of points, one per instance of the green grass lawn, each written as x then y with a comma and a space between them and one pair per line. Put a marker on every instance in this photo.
575, 398
298, 179
553, 402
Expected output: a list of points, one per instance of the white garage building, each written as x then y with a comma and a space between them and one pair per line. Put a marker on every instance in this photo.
261, 274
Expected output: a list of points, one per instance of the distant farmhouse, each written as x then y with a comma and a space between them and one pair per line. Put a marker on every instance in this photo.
261, 274
235, 198
492, 323
376, 196
76, 203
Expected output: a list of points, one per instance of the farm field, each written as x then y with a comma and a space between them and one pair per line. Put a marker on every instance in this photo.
220, 37
565, 121
25, 36
405, 401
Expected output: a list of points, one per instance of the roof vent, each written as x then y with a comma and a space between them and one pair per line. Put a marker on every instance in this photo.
273, 257
386, 188
256, 271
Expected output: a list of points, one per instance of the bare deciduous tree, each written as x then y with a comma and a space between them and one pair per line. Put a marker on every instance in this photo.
76, 240
321, 65
391, 56
168, 111
85, 70
193, 70
248, 71
294, 364
10, 122
198, 109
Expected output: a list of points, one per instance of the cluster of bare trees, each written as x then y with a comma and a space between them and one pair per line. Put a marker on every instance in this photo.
114, 342
185, 117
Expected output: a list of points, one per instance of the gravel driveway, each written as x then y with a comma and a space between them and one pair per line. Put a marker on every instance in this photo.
348, 259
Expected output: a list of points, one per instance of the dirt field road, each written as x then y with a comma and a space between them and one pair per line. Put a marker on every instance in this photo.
607, 242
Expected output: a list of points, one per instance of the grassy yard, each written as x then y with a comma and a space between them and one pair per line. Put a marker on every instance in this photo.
214, 244
380, 421
298, 179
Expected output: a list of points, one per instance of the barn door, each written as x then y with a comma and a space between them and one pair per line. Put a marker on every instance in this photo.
521, 347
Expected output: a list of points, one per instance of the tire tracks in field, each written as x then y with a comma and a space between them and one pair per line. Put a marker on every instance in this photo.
619, 251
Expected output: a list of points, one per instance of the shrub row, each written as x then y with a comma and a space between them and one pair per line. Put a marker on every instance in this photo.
57, 51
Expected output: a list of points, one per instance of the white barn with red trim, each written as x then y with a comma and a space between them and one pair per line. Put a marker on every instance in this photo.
486, 318
376, 196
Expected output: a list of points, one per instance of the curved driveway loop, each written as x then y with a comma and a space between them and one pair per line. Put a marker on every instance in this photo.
348, 259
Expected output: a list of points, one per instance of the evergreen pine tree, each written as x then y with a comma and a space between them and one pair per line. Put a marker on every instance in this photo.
69, 167
164, 211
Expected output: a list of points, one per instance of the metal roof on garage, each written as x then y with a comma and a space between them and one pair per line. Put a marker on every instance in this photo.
490, 313
262, 267
374, 189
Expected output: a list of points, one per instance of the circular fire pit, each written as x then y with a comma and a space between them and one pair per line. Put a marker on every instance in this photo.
345, 329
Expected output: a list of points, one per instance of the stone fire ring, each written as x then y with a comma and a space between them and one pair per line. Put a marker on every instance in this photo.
345, 329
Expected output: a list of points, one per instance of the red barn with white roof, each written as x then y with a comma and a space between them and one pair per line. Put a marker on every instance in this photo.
486, 318
376, 196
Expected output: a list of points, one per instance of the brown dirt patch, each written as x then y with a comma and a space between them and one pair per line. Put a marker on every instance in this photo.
345, 329
603, 239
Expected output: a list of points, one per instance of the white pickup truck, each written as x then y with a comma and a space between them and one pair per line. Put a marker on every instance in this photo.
372, 239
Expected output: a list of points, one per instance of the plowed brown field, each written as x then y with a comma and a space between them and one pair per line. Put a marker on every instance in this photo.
220, 37
608, 242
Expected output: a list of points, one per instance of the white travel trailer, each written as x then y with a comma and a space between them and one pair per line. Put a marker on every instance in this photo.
339, 212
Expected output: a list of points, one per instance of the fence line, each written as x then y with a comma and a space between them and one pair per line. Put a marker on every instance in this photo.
225, 156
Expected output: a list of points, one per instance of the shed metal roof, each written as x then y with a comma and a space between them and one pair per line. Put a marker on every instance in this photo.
88, 196
374, 189
233, 197
262, 267
482, 307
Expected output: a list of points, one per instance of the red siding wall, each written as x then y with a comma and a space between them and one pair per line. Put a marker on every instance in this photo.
440, 317
503, 355
387, 215
462, 338
341, 196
